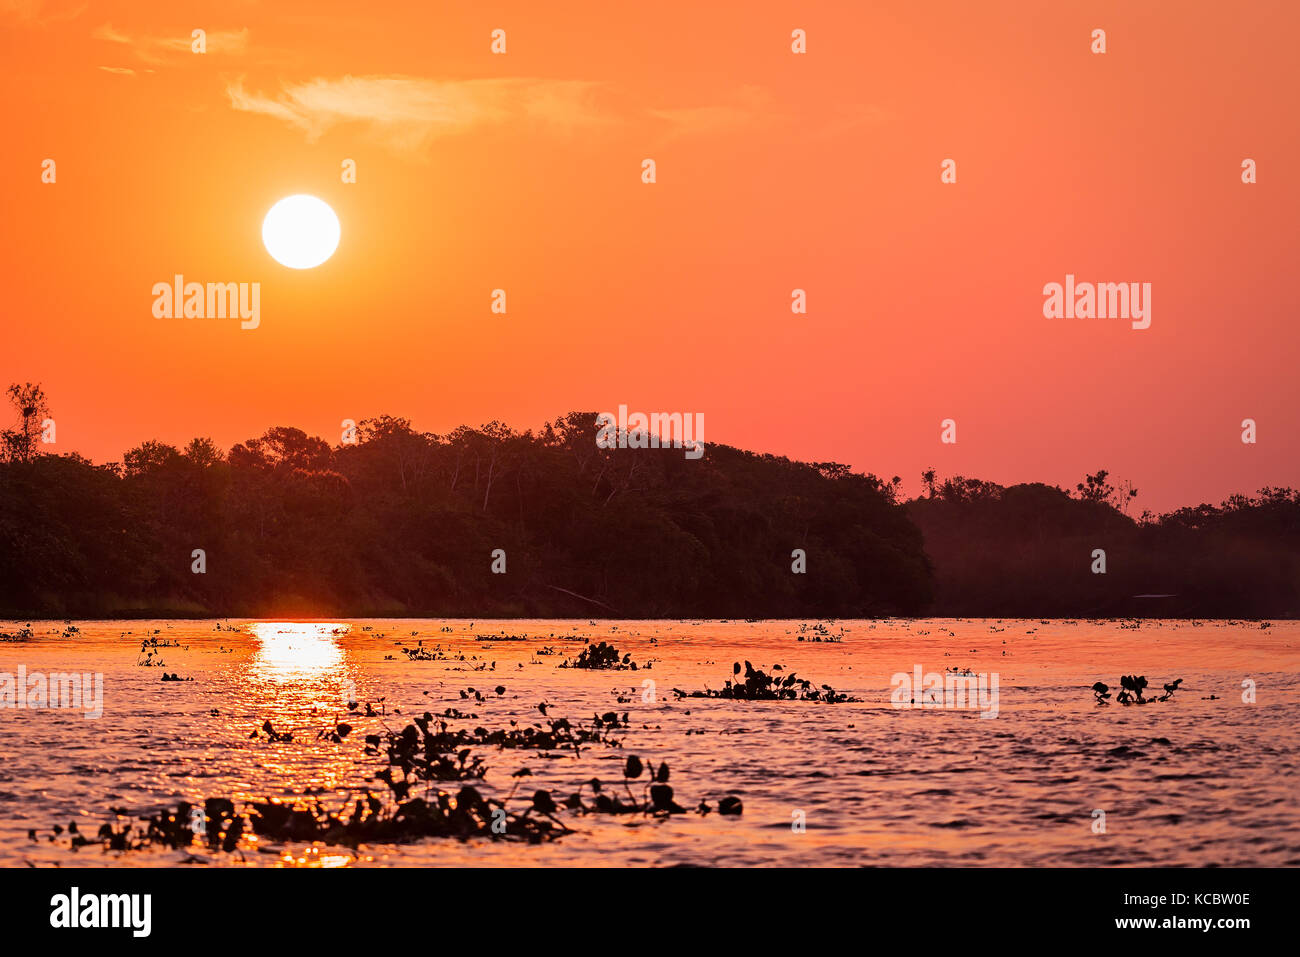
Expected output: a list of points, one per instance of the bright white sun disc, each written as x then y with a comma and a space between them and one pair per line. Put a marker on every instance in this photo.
301, 231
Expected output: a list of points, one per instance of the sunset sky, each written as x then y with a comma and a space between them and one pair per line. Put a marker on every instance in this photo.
775, 171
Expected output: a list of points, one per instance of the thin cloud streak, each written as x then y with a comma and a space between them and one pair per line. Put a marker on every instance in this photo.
160, 49
749, 107
407, 112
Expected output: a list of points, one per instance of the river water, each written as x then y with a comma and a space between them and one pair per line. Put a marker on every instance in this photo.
1041, 775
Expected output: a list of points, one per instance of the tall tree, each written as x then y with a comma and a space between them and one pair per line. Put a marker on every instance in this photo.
22, 443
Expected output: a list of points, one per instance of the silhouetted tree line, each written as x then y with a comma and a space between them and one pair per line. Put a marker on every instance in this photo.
1028, 551
404, 523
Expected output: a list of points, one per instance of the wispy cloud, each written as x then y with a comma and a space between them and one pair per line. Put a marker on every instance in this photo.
750, 106
407, 113
160, 49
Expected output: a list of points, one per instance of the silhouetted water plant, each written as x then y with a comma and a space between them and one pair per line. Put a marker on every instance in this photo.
656, 797
273, 735
216, 824
420, 653
1131, 690
428, 738
760, 686
368, 820
819, 633
604, 657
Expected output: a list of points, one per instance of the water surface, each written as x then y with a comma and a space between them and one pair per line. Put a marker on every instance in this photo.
1189, 781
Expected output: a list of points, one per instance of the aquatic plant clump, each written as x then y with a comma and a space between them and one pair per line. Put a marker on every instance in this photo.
420, 653
656, 797
819, 632
603, 657
464, 815
427, 739
369, 820
1131, 690
760, 686
215, 824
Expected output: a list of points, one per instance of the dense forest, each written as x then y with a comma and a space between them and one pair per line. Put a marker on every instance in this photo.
400, 522
1028, 551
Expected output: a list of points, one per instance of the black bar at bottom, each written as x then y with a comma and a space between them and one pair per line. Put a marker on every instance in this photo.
753, 908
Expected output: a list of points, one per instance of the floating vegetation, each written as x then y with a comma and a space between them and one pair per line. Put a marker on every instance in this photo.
160, 642
273, 735
478, 695
369, 820
1131, 690
216, 824
422, 756
420, 653
604, 657
336, 733
819, 632
460, 767
760, 686
151, 653
464, 815
656, 796
400, 819
428, 738
22, 634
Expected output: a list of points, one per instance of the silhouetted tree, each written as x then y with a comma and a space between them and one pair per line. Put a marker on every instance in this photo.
22, 442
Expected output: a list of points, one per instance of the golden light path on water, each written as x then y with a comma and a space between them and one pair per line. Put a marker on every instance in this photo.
298, 673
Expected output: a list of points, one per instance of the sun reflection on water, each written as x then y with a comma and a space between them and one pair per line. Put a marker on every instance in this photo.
290, 651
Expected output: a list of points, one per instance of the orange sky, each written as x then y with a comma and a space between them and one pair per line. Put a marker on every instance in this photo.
775, 171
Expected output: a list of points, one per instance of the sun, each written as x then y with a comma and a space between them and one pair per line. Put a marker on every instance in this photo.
301, 231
